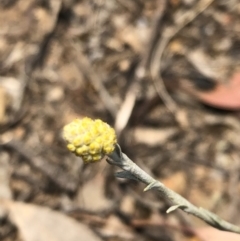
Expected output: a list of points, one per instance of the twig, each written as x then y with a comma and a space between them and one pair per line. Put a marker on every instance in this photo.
96, 81
53, 172
168, 34
128, 104
132, 171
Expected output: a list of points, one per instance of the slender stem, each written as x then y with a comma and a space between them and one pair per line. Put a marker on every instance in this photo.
132, 171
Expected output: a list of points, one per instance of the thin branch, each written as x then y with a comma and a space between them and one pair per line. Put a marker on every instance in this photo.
160, 47
85, 67
132, 171
52, 171
128, 104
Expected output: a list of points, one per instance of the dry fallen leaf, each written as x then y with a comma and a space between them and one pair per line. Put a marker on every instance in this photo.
213, 68
224, 96
91, 196
211, 234
37, 223
153, 136
2, 105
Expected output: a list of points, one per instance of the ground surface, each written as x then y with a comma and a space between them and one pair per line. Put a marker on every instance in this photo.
165, 74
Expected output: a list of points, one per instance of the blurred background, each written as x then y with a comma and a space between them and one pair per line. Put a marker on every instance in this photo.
164, 73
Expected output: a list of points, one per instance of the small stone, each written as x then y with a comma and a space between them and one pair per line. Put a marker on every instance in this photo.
55, 94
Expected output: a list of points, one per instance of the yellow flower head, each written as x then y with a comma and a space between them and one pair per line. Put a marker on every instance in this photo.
89, 139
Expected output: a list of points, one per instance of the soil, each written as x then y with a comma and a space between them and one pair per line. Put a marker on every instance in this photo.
164, 74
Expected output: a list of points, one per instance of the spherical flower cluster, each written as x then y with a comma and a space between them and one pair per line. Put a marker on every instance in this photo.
89, 139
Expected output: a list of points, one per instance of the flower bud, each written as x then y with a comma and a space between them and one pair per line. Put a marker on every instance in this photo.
89, 139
